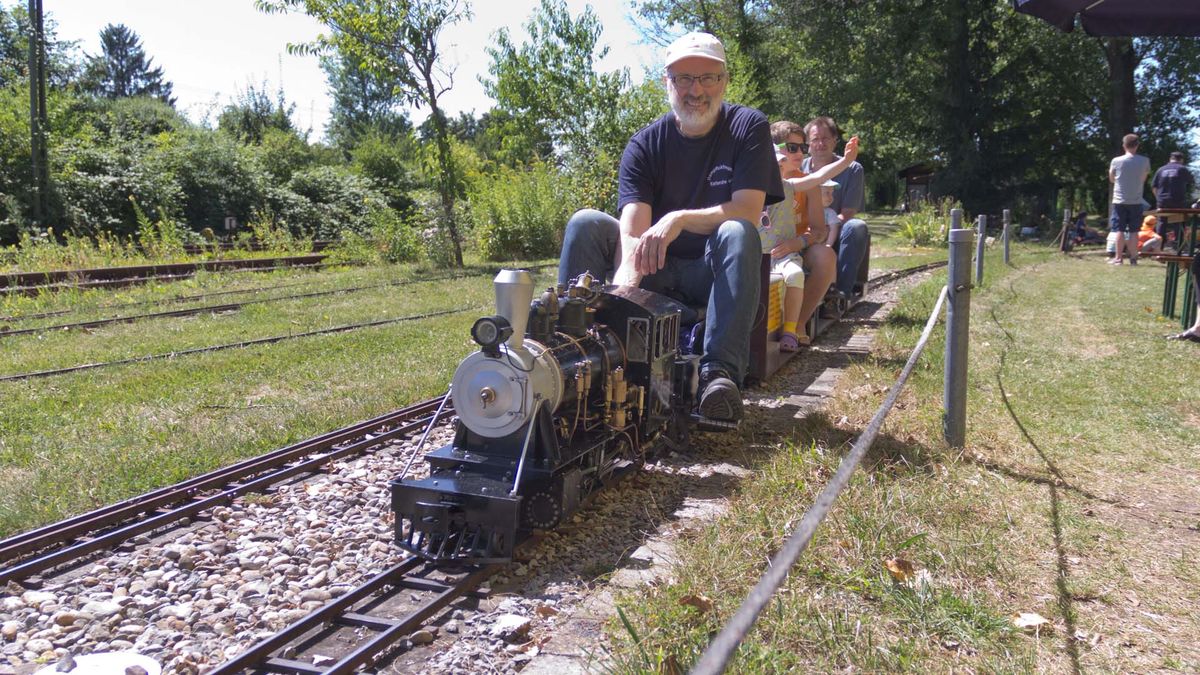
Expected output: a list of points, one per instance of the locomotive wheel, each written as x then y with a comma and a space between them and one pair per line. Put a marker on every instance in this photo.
541, 510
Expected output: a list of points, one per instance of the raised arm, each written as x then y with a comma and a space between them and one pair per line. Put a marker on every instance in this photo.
814, 179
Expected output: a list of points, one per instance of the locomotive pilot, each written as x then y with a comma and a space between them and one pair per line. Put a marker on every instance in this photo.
691, 185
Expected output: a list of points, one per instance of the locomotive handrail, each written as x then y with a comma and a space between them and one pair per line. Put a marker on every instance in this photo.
425, 436
721, 649
533, 419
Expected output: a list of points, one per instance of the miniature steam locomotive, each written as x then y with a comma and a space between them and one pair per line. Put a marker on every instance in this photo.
566, 390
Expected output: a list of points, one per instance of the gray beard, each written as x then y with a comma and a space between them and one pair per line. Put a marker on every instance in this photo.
689, 119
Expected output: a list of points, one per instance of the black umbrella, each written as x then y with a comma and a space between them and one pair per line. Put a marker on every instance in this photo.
1180, 18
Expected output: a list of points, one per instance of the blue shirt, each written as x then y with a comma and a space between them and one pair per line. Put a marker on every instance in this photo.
1174, 184
851, 191
671, 172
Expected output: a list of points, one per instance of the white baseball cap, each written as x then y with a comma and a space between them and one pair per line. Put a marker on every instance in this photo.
704, 45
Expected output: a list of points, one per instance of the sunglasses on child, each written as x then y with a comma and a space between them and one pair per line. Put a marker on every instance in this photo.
793, 148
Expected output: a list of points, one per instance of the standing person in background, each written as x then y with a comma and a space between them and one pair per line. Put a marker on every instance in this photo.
849, 238
1173, 184
1127, 174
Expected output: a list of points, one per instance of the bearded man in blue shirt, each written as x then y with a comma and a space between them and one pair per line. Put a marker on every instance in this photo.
690, 187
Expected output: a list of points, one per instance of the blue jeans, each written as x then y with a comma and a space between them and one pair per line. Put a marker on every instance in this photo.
725, 279
851, 247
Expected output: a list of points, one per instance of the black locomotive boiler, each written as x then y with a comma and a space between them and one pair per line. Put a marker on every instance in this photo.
566, 389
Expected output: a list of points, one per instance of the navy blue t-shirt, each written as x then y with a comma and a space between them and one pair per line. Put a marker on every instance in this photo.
671, 172
1174, 183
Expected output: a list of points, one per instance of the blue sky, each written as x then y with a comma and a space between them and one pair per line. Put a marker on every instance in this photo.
213, 49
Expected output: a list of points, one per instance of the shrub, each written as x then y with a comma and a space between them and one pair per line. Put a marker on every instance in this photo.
334, 199
389, 163
428, 221
927, 224
94, 181
216, 176
521, 213
273, 237
162, 239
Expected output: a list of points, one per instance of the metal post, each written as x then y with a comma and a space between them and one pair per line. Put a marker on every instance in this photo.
1066, 245
979, 250
35, 135
1007, 232
958, 322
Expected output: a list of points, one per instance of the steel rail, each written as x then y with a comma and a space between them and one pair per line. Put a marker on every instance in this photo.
124, 305
339, 612
133, 281
135, 271
261, 289
233, 345
228, 307
229, 482
888, 277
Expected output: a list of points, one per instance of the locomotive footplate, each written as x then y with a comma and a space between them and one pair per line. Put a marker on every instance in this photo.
456, 518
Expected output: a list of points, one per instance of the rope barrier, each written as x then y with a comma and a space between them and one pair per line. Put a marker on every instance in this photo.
721, 649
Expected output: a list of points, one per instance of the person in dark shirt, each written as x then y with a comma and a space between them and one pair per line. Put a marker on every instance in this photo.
690, 187
1173, 184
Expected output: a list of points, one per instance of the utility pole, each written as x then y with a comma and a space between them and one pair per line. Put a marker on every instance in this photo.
38, 121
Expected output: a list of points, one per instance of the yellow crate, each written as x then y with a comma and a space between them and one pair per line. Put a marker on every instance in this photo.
775, 305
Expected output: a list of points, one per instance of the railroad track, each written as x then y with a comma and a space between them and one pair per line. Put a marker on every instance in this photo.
26, 555
895, 275
32, 283
399, 601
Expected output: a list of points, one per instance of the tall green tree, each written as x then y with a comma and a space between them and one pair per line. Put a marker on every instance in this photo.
398, 41
61, 67
549, 89
363, 103
253, 112
122, 68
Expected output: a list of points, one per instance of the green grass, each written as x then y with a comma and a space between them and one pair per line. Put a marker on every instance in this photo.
1042, 520
73, 442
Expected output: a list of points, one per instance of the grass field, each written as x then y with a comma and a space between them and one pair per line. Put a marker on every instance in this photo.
1075, 499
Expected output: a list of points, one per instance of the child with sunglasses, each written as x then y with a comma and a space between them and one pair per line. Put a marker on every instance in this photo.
793, 231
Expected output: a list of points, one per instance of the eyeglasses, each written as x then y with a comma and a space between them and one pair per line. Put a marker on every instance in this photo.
792, 148
686, 81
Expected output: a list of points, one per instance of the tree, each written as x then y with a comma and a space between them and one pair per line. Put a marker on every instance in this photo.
397, 40
61, 68
123, 69
362, 103
549, 88
253, 112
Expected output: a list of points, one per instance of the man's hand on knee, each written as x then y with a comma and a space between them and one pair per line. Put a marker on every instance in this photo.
650, 254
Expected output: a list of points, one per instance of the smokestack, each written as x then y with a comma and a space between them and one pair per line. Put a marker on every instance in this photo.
514, 293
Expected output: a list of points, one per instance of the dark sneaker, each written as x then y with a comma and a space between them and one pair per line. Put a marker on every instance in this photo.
719, 396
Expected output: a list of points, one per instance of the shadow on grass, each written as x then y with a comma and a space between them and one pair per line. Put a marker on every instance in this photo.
1066, 602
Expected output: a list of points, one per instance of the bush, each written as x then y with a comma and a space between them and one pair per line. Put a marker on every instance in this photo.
927, 225
428, 220
521, 213
216, 176
94, 181
389, 163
